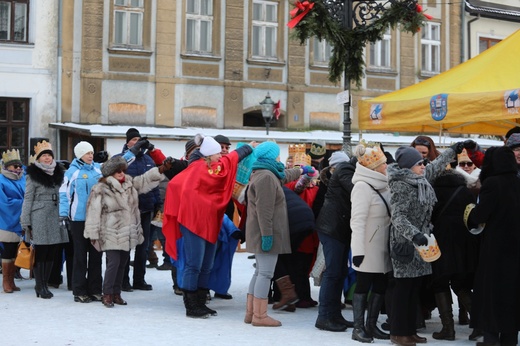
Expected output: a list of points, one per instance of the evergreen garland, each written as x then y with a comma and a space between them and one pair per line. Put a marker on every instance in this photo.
347, 44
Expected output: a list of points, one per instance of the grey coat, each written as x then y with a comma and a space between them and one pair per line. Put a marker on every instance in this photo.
412, 204
113, 216
267, 211
40, 209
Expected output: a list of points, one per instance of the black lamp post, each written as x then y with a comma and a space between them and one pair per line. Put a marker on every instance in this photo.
267, 111
348, 13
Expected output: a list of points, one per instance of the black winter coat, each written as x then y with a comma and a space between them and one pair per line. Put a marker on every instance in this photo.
301, 218
497, 281
334, 217
459, 248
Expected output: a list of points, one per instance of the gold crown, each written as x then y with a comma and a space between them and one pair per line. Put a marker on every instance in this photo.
318, 149
296, 148
11, 155
41, 146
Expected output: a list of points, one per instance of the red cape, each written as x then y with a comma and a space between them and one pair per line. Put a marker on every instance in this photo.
197, 198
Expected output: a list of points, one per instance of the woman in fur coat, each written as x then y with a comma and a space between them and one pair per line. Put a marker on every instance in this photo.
40, 214
412, 202
113, 221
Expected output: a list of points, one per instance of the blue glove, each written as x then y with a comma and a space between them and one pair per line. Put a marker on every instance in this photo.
267, 243
309, 170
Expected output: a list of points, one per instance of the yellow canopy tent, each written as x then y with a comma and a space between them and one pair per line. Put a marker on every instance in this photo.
479, 96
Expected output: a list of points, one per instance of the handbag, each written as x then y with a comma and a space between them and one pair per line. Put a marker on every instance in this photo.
25, 256
402, 252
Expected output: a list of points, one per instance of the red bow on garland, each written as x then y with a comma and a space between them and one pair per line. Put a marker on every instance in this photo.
302, 7
419, 9
276, 110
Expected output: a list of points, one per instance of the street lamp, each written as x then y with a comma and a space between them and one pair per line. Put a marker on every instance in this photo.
267, 111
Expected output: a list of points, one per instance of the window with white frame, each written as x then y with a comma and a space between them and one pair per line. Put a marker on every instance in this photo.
322, 51
380, 52
128, 22
199, 24
265, 29
14, 19
431, 48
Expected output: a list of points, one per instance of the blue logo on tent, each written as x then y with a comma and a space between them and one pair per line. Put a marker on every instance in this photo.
512, 101
376, 112
439, 106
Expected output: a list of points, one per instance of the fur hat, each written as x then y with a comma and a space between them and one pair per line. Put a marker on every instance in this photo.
222, 139
132, 133
208, 145
337, 157
463, 156
370, 157
318, 150
513, 141
407, 157
41, 148
114, 164
11, 157
267, 150
82, 148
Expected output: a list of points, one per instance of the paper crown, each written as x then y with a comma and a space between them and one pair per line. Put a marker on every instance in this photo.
431, 251
318, 149
11, 156
297, 151
40, 147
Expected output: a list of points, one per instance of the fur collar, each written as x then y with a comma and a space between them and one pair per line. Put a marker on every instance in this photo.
43, 178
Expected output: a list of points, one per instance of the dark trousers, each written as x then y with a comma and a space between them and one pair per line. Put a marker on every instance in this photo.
375, 282
64, 251
404, 306
141, 252
10, 250
115, 269
86, 275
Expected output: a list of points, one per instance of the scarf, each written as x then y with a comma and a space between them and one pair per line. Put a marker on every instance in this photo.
12, 175
276, 167
49, 169
426, 194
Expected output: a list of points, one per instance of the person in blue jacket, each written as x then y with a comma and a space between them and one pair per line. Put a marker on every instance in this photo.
79, 179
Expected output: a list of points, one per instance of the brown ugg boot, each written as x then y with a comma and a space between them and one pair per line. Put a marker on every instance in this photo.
260, 318
287, 292
6, 276
249, 309
12, 272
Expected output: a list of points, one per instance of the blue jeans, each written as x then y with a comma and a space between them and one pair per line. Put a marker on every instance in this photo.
199, 255
336, 270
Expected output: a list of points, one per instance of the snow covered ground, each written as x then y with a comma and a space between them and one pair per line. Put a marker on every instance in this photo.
158, 318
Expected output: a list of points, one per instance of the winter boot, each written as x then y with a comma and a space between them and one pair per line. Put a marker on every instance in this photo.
287, 292
202, 293
39, 270
443, 301
463, 314
260, 318
193, 308
249, 309
108, 300
47, 274
464, 297
6, 276
118, 299
375, 302
359, 304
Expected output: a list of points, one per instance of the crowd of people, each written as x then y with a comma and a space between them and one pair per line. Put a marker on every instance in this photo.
361, 226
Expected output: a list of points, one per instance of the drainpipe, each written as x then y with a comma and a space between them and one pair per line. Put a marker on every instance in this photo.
59, 73
469, 33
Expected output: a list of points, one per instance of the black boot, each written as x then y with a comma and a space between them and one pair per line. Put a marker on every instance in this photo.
191, 303
202, 295
38, 271
443, 301
47, 274
464, 297
359, 303
374, 306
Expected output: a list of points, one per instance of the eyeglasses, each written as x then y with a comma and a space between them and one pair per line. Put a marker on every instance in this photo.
467, 164
119, 171
422, 162
420, 141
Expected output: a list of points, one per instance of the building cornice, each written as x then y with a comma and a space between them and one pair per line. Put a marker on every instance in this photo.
493, 10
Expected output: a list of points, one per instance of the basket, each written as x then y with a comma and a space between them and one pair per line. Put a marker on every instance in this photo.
430, 252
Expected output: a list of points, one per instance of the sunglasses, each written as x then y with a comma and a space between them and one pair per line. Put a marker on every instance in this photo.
17, 166
421, 141
467, 164
422, 162
119, 171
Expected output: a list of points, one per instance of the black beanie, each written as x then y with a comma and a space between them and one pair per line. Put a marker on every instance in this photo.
131, 133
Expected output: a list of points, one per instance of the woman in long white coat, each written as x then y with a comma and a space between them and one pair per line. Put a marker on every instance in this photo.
370, 223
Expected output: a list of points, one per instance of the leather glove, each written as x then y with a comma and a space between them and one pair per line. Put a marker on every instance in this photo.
150, 146
65, 222
166, 165
143, 143
420, 239
267, 243
309, 170
470, 144
457, 147
357, 260
237, 235
101, 156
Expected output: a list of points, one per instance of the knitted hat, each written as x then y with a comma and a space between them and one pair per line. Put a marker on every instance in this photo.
407, 157
41, 148
463, 156
114, 164
337, 157
132, 133
82, 148
318, 150
513, 141
190, 146
267, 150
222, 139
370, 157
209, 146
11, 157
